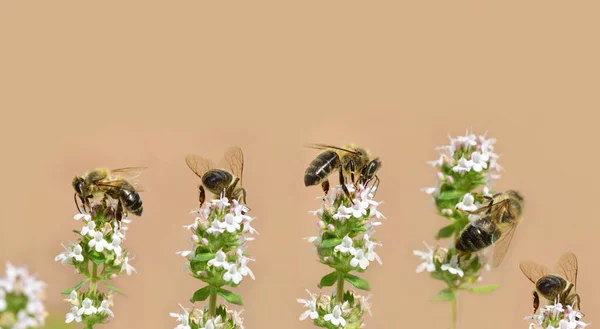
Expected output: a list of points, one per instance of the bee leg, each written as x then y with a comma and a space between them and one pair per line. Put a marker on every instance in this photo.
119, 213
375, 185
243, 193
344, 187
536, 301
201, 195
325, 186
77, 203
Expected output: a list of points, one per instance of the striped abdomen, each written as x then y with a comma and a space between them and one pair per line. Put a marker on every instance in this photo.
323, 165
479, 236
217, 180
550, 286
131, 200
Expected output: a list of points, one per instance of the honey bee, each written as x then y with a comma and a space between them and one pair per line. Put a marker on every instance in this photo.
559, 286
351, 161
109, 183
220, 181
496, 225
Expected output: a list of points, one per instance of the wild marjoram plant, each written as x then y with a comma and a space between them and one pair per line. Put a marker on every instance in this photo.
344, 243
219, 235
99, 257
467, 165
21, 296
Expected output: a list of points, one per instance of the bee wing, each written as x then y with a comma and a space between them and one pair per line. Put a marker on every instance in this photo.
533, 271
234, 161
501, 246
198, 164
121, 184
329, 147
489, 208
129, 171
567, 267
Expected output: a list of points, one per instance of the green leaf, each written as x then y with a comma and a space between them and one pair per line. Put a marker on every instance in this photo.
331, 243
77, 287
444, 295
445, 232
328, 280
482, 289
357, 282
204, 257
231, 297
97, 258
113, 288
451, 195
201, 294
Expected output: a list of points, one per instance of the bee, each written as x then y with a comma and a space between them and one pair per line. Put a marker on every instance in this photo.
559, 286
109, 183
350, 161
496, 225
227, 182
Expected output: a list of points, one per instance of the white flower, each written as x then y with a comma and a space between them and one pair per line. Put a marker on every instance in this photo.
73, 252
430, 190
104, 308
220, 260
87, 308
342, 213
233, 274
346, 246
126, 267
335, 317
244, 269
212, 324
73, 315
98, 242
193, 226
427, 257
360, 260
2, 300
311, 306
73, 298
231, 222
467, 203
89, 229
462, 166
453, 267
221, 203
439, 162
467, 140
478, 163
115, 245
237, 318
184, 318
366, 304
370, 245
85, 217
248, 228
217, 227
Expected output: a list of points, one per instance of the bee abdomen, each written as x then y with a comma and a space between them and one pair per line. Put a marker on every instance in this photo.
216, 179
475, 238
321, 167
550, 286
131, 199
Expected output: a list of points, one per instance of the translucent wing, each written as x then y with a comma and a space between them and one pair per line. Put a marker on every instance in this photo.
567, 267
533, 271
329, 147
488, 208
198, 164
129, 171
501, 246
234, 161
121, 184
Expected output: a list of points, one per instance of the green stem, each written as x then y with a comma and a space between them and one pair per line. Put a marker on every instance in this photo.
94, 278
212, 305
453, 310
340, 288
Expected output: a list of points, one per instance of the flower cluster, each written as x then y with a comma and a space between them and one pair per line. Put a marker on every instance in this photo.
466, 169
200, 319
327, 312
344, 243
557, 317
21, 297
219, 237
99, 256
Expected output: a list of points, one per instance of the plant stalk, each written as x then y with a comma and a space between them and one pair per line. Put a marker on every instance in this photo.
94, 277
453, 306
212, 304
340, 288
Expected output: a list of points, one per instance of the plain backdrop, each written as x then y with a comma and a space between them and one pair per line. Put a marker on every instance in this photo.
143, 83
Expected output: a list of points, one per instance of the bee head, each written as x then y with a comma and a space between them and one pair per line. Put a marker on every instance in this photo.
78, 185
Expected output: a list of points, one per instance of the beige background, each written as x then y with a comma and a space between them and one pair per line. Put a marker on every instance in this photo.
144, 83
